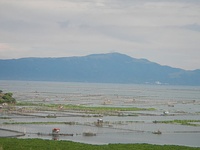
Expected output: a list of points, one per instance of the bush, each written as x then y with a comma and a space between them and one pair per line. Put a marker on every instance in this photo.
38, 144
1, 100
7, 98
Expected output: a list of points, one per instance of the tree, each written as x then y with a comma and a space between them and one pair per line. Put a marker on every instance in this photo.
7, 98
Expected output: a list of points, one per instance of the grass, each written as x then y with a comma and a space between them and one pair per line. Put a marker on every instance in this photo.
5, 118
39, 144
46, 123
72, 123
85, 108
182, 122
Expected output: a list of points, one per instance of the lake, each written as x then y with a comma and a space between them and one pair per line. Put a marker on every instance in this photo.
181, 103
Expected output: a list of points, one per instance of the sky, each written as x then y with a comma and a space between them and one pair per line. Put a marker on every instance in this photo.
163, 31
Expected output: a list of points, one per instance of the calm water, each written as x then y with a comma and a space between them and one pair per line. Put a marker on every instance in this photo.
185, 101
140, 92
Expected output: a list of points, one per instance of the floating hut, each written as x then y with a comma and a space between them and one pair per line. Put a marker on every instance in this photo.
99, 122
107, 102
157, 132
165, 112
55, 130
55, 133
89, 134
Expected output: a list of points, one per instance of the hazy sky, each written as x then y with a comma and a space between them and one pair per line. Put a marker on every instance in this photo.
163, 31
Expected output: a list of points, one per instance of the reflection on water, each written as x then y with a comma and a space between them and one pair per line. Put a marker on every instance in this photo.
182, 103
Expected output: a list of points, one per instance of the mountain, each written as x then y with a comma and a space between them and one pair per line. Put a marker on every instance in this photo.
105, 68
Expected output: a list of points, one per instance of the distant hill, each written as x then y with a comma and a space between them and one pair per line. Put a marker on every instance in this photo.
104, 68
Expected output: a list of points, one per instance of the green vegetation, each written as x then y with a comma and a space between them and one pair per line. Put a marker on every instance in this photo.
69, 123
74, 123
39, 144
5, 118
182, 122
6, 98
85, 108
105, 109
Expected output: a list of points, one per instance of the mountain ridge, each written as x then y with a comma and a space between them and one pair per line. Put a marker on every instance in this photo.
105, 68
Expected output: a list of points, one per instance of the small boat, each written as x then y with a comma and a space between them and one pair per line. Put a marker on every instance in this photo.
157, 132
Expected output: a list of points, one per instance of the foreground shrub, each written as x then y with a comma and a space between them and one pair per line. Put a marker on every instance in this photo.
39, 144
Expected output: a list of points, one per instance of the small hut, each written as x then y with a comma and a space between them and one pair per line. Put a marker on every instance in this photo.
165, 112
55, 131
157, 132
99, 122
